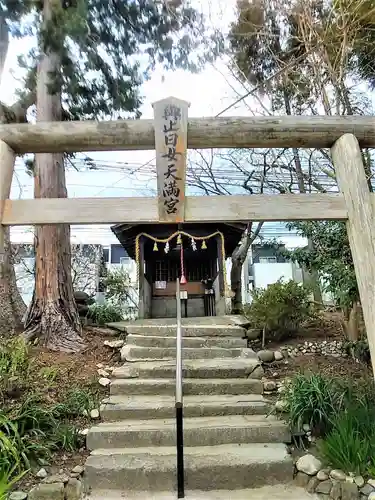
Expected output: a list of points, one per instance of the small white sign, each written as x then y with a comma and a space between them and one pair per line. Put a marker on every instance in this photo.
183, 295
160, 285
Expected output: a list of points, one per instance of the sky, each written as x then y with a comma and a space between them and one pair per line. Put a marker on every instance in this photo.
208, 93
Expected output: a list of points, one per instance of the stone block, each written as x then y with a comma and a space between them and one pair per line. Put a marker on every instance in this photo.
45, 491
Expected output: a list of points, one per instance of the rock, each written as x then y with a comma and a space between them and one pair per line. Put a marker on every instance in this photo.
100, 365
114, 344
18, 495
371, 496
306, 428
322, 475
367, 489
56, 478
281, 406
84, 432
302, 479
312, 484
278, 356
257, 373
270, 385
73, 490
78, 469
253, 333
103, 373
371, 482
42, 473
359, 481
266, 356
104, 381
238, 320
336, 491
309, 464
349, 491
94, 413
338, 474
45, 491
324, 487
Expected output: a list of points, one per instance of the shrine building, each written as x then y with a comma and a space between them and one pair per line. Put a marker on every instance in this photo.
193, 253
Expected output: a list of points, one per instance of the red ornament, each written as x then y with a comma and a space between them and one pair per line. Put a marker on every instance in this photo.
183, 279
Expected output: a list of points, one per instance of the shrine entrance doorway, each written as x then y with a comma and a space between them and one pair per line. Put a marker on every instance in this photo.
194, 251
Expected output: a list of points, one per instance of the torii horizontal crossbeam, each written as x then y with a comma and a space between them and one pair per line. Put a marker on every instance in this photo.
203, 133
197, 209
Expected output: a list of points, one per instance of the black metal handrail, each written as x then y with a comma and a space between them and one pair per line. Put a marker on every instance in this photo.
179, 400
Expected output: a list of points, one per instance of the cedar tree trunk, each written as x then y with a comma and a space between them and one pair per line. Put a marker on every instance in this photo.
53, 315
12, 306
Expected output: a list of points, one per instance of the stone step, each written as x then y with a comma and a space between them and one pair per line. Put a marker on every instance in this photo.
199, 431
198, 368
142, 407
207, 468
190, 386
133, 353
170, 341
276, 492
169, 330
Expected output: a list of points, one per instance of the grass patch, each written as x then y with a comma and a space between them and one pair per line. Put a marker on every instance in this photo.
34, 425
341, 413
312, 399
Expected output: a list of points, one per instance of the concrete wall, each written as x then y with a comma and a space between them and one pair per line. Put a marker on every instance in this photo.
266, 274
165, 307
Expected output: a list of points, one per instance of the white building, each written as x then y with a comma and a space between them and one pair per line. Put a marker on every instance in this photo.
264, 265
115, 256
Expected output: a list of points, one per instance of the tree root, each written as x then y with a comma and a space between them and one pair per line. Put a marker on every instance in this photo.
52, 326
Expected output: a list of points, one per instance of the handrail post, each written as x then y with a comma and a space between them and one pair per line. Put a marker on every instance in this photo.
179, 400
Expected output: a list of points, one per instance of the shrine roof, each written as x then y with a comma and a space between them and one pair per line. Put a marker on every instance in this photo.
127, 233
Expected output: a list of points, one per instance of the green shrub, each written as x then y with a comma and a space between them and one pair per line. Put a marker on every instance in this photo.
8, 478
280, 309
104, 313
350, 444
19, 448
312, 399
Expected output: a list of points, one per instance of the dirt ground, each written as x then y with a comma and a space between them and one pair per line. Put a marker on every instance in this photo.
328, 328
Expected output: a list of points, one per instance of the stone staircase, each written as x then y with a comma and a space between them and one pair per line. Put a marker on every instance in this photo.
230, 442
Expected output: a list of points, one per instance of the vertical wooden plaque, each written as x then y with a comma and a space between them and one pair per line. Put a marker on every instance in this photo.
171, 121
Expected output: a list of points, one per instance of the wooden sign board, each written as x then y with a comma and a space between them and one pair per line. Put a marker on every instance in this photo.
171, 120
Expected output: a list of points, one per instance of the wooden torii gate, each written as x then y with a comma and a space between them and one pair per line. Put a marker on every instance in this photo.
171, 133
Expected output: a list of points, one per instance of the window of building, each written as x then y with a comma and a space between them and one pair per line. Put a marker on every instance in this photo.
267, 254
117, 252
267, 260
106, 254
